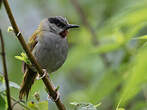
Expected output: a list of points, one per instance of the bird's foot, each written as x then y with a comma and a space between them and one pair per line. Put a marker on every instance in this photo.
45, 73
56, 98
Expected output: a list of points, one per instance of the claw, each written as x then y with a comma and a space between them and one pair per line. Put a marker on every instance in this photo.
40, 77
57, 97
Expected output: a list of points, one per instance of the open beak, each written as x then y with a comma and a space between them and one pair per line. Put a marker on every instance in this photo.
72, 26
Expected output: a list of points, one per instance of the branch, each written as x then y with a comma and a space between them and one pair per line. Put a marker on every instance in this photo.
85, 22
5, 72
50, 87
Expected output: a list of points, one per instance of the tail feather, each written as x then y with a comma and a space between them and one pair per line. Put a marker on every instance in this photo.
27, 83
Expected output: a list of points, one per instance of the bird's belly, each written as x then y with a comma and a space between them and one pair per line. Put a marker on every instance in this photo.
51, 56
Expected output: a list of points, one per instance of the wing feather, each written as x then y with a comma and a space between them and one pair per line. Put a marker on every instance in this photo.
31, 44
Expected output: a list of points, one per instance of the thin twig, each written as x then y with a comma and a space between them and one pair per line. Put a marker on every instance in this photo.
5, 71
89, 28
23, 105
50, 87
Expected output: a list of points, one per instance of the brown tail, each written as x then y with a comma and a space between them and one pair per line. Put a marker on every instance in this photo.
28, 81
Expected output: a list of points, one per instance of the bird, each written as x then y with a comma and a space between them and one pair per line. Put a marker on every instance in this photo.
49, 46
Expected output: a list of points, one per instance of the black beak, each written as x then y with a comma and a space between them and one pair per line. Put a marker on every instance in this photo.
72, 26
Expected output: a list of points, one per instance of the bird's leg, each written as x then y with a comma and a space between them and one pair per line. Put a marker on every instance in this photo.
44, 74
57, 96
56, 90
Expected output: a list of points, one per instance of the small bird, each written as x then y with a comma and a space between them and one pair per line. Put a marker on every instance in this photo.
49, 46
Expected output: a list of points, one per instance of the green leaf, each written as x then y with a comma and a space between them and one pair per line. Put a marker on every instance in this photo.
1, 78
23, 58
144, 37
11, 84
38, 106
83, 106
10, 29
97, 105
23, 55
137, 77
2, 103
19, 58
74, 103
57, 88
43, 105
120, 109
33, 106
14, 85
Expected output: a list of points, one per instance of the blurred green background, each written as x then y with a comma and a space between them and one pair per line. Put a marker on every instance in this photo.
107, 60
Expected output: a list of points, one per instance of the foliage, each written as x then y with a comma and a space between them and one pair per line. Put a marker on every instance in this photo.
120, 27
136, 77
84, 106
38, 106
2, 84
23, 58
2, 103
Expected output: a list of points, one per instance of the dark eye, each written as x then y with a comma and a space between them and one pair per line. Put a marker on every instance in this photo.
58, 24
61, 25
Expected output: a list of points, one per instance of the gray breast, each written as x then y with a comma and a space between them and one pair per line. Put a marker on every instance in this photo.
51, 51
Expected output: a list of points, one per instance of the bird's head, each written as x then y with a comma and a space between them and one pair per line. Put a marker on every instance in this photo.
57, 25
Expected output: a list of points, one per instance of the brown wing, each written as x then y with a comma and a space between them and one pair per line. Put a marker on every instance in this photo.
33, 40
29, 74
31, 44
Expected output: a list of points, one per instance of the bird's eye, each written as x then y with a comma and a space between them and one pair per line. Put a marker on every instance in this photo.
60, 24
